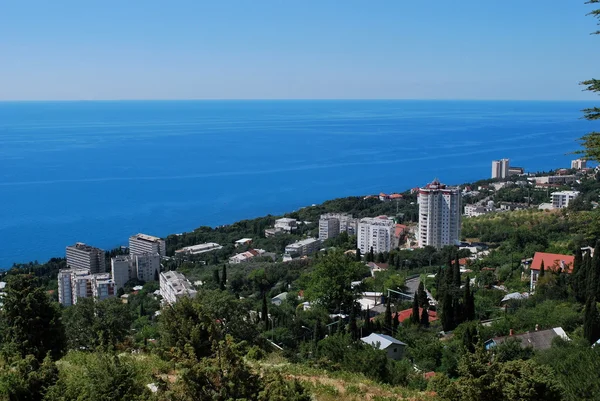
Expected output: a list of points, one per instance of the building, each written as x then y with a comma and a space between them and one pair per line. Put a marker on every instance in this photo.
552, 262
74, 284
400, 233
579, 164
392, 347
516, 170
376, 233
286, 224
555, 179
562, 199
174, 286
271, 232
538, 340
439, 215
500, 168
142, 243
332, 224
245, 256
121, 270
243, 242
407, 314
474, 210
198, 249
82, 256
303, 248
278, 299
143, 267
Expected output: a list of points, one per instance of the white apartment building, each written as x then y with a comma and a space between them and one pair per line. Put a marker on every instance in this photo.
500, 168
198, 249
332, 224
562, 199
579, 164
305, 247
74, 284
376, 233
286, 224
439, 215
246, 256
82, 256
474, 210
144, 267
142, 243
556, 179
174, 286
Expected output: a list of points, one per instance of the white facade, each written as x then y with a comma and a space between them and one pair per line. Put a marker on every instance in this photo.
82, 256
147, 266
198, 249
142, 243
556, 179
474, 210
376, 233
579, 164
562, 199
121, 270
144, 267
439, 215
174, 286
332, 224
245, 256
74, 284
286, 224
305, 247
102, 286
500, 168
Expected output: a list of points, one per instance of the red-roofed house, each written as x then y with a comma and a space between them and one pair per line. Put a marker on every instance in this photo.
407, 313
399, 235
395, 196
552, 262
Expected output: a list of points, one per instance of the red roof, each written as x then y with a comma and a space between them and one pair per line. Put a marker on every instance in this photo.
400, 229
462, 262
396, 196
407, 313
552, 261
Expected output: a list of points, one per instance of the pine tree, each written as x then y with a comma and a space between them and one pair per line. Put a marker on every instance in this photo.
353, 328
358, 256
447, 316
422, 295
542, 269
456, 278
224, 278
265, 312
468, 302
424, 318
371, 257
216, 278
396, 322
575, 278
414, 317
388, 317
591, 321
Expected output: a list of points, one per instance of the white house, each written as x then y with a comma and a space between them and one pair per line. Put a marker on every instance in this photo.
393, 347
278, 299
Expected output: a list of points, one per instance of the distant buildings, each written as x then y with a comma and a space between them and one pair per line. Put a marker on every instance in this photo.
513, 170
500, 168
439, 215
303, 248
286, 224
143, 267
562, 199
174, 286
74, 284
332, 224
82, 256
475, 210
198, 249
142, 243
245, 256
579, 164
376, 233
556, 179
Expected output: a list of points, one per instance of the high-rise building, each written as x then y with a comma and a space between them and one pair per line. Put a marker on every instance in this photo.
147, 266
375, 233
562, 199
82, 256
121, 270
142, 243
332, 224
74, 284
174, 285
500, 168
439, 215
579, 164
66, 281
143, 267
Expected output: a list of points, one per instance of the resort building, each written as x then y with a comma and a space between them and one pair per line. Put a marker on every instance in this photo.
174, 286
142, 243
82, 256
376, 233
439, 215
562, 199
303, 248
198, 249
286, 224
74, 284
579, 164
143, 267
500, 168
332, 224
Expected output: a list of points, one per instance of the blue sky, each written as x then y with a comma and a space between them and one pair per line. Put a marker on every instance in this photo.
194, 49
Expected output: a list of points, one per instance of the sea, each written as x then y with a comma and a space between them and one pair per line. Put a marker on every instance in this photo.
100, 171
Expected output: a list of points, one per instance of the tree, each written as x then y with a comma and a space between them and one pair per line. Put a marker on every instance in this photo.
456, 272
330, 281
469, 302
216, 278
31, 324
223, 278
265, 312
591, 321
371, 257
358, 256
542, 269
591, 141
388, 317
447, 316
27, 379
422, 296
424, 318
414, 317
577, 284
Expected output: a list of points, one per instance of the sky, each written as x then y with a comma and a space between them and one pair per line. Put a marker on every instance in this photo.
309, 49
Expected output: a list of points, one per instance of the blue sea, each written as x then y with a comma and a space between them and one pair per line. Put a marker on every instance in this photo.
98, 172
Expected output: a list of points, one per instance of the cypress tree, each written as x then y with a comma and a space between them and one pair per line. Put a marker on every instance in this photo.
371, 257
456, 279
423, 301
575, 278
216, 278
591, 321
265, 312
224, 278
353, 328
388, 317
358, 256
469, 301
424, 318
542, 269
414, 317
447, 316
396, 322
595, 282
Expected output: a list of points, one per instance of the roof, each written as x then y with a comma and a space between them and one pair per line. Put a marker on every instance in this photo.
396, 196
400, 229
377, 265
282, 296
381, 340
515, 295
537, 339
243, 240
552, 261
407, 313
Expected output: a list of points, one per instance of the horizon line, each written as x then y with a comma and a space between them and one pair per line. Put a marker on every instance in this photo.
284, 100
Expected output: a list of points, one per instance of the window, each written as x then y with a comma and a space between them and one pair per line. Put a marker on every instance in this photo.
395, 349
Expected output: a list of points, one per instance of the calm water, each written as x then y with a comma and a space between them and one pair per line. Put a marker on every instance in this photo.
100, 171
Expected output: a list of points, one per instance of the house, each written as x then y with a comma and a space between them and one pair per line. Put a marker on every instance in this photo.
393, 348
286, 224
245, 256
552, 262
407, 313
538, 340
516, 296
377, 267
278, 299
243, 241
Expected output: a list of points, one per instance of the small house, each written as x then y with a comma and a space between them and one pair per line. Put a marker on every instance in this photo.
394, 348
538, 339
